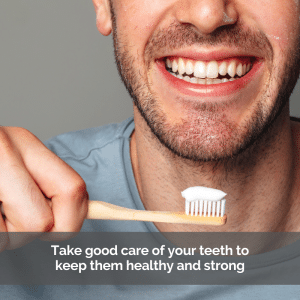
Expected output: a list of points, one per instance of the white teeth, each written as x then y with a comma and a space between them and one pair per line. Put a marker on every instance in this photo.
189, 68
169, 64
232, 68
181, 66
223, 68
244, 69
207, 72
248, 67
194, 80
216, 81
200, 69
187, 78
239, 70
174, 66
210, 81
201, 81
212, 70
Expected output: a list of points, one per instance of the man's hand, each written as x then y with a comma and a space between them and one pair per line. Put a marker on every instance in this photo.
30, 176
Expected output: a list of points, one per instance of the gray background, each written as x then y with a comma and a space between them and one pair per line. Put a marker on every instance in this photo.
57, 72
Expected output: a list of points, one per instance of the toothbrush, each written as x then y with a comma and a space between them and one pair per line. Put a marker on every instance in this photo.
206, 202
203, 205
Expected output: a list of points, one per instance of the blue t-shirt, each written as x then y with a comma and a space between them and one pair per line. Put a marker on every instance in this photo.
102, 157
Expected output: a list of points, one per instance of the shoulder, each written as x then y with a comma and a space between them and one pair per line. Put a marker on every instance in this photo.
80, 143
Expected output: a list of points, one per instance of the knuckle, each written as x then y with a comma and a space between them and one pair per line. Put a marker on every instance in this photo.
8, 148
9, 132
15, 134
17, 131
76, 190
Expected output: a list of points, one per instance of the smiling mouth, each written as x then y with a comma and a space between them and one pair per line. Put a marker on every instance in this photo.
209, 72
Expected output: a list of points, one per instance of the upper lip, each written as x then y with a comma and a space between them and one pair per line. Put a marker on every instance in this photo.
210, 55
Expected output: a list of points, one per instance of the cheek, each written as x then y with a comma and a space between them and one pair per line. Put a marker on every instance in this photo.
138, 19
278, 19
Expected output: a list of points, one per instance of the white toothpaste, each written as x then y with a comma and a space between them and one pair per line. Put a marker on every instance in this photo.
202, 193
204, 201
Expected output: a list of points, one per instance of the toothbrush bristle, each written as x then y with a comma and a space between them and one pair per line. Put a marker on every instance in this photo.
223, 207
214, 209
187, 208
201, 208
192, 208
218, 208
209, 204
196, 208
205, 208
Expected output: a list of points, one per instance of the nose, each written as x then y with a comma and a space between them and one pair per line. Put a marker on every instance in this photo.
206, 15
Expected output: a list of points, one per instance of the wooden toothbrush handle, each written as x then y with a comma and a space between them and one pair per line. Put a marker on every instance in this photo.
107, 211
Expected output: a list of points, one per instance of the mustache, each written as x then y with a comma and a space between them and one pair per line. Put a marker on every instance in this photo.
178, 36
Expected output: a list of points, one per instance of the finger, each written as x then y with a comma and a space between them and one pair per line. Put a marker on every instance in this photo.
58, 181
67, 191
23, 203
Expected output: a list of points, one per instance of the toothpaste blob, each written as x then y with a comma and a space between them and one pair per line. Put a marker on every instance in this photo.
202, 193
204, 201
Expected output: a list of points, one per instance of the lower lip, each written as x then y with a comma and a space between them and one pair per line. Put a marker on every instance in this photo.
210, 90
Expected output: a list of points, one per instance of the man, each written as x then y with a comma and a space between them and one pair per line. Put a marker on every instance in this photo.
210, 80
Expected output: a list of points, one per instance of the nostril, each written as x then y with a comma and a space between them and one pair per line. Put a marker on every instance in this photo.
207, 15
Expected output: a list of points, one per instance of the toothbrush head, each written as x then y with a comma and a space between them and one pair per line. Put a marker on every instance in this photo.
204, 202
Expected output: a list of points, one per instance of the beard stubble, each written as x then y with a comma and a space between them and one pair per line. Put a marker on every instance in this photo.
207, 135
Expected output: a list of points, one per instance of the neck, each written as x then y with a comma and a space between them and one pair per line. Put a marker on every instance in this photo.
259, 182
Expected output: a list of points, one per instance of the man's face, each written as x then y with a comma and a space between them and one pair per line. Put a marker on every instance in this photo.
208, 76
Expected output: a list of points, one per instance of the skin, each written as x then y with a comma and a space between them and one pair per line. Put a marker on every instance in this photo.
256, 163
30, 176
